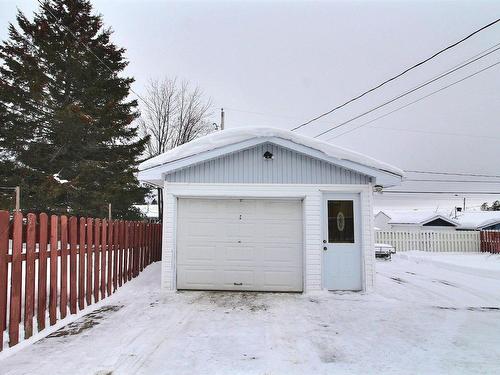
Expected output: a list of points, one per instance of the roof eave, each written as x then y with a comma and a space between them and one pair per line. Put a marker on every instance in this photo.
381, 177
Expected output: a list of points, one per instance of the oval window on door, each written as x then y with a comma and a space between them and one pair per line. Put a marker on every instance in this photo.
340, 222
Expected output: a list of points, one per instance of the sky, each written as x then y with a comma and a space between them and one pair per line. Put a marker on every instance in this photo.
277, 63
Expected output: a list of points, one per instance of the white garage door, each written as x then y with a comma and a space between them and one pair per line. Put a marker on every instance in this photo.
239, 244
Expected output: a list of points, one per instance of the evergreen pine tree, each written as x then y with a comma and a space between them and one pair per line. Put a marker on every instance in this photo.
67, 135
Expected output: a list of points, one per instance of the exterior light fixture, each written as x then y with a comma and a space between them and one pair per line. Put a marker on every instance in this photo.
268, 155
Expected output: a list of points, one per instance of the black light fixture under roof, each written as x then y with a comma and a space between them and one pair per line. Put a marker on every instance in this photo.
268, 155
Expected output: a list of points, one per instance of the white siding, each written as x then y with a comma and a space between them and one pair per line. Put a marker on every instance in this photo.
312, 196
249, 166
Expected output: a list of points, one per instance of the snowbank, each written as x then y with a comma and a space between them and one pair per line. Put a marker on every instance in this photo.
480, 264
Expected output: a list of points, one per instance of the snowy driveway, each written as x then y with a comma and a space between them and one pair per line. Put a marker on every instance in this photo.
423, 319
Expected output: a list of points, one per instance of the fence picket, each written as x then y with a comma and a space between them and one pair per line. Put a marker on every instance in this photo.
115, 254
29, 293
97, 257
73, 238
54, 239
81, 264
42, 271
125, 252
16, 274
110, 257
104, 231
89, 252
4, 251
120, 252
63, 304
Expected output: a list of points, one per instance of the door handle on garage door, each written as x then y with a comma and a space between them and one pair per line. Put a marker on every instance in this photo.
238, 284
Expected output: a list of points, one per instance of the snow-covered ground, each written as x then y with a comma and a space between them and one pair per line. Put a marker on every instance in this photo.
424, 318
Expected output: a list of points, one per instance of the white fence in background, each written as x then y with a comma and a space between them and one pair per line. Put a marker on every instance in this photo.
458, 241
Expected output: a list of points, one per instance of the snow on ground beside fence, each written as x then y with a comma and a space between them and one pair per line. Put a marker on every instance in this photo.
479, 264
48, 272
420, 320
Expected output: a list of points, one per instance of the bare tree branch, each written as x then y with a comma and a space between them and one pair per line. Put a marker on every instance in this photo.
175, 114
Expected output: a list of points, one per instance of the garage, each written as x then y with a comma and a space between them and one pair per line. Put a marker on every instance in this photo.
264, 209
239, 244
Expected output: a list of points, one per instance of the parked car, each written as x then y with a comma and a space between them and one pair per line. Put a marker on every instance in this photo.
384, 251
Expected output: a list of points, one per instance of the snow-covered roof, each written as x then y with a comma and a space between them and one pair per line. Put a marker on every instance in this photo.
234, 136
416, 217
477, 219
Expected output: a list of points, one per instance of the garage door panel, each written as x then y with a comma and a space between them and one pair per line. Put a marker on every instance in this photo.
198, 278
240, 277
280, 279
243, 255
208, 230
198, 254
271, 231
243, 244
281, 255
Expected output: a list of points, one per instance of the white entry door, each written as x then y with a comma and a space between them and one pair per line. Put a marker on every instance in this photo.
239, 244
342, 242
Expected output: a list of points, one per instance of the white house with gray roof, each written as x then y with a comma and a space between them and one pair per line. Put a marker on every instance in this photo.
262, 209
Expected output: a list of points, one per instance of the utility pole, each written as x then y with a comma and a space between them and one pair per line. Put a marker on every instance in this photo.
222, 119
464, 204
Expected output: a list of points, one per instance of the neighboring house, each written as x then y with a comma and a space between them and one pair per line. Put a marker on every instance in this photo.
478, 220
414, 220
381, 221
262, 209
149, 211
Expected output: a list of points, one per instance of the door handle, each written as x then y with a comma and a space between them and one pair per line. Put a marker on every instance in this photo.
238, 284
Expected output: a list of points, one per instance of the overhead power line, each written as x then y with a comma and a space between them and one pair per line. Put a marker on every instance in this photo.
442, 192
452, 173
397, 75
468, 135
402, 107
443, 180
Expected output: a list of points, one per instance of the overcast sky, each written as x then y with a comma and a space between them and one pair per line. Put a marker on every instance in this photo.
281, 63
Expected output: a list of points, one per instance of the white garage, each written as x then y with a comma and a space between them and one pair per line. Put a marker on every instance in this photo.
243, 244
262, 209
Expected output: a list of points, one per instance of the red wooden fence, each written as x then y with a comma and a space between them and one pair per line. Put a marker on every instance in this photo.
490, 241
60, 264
